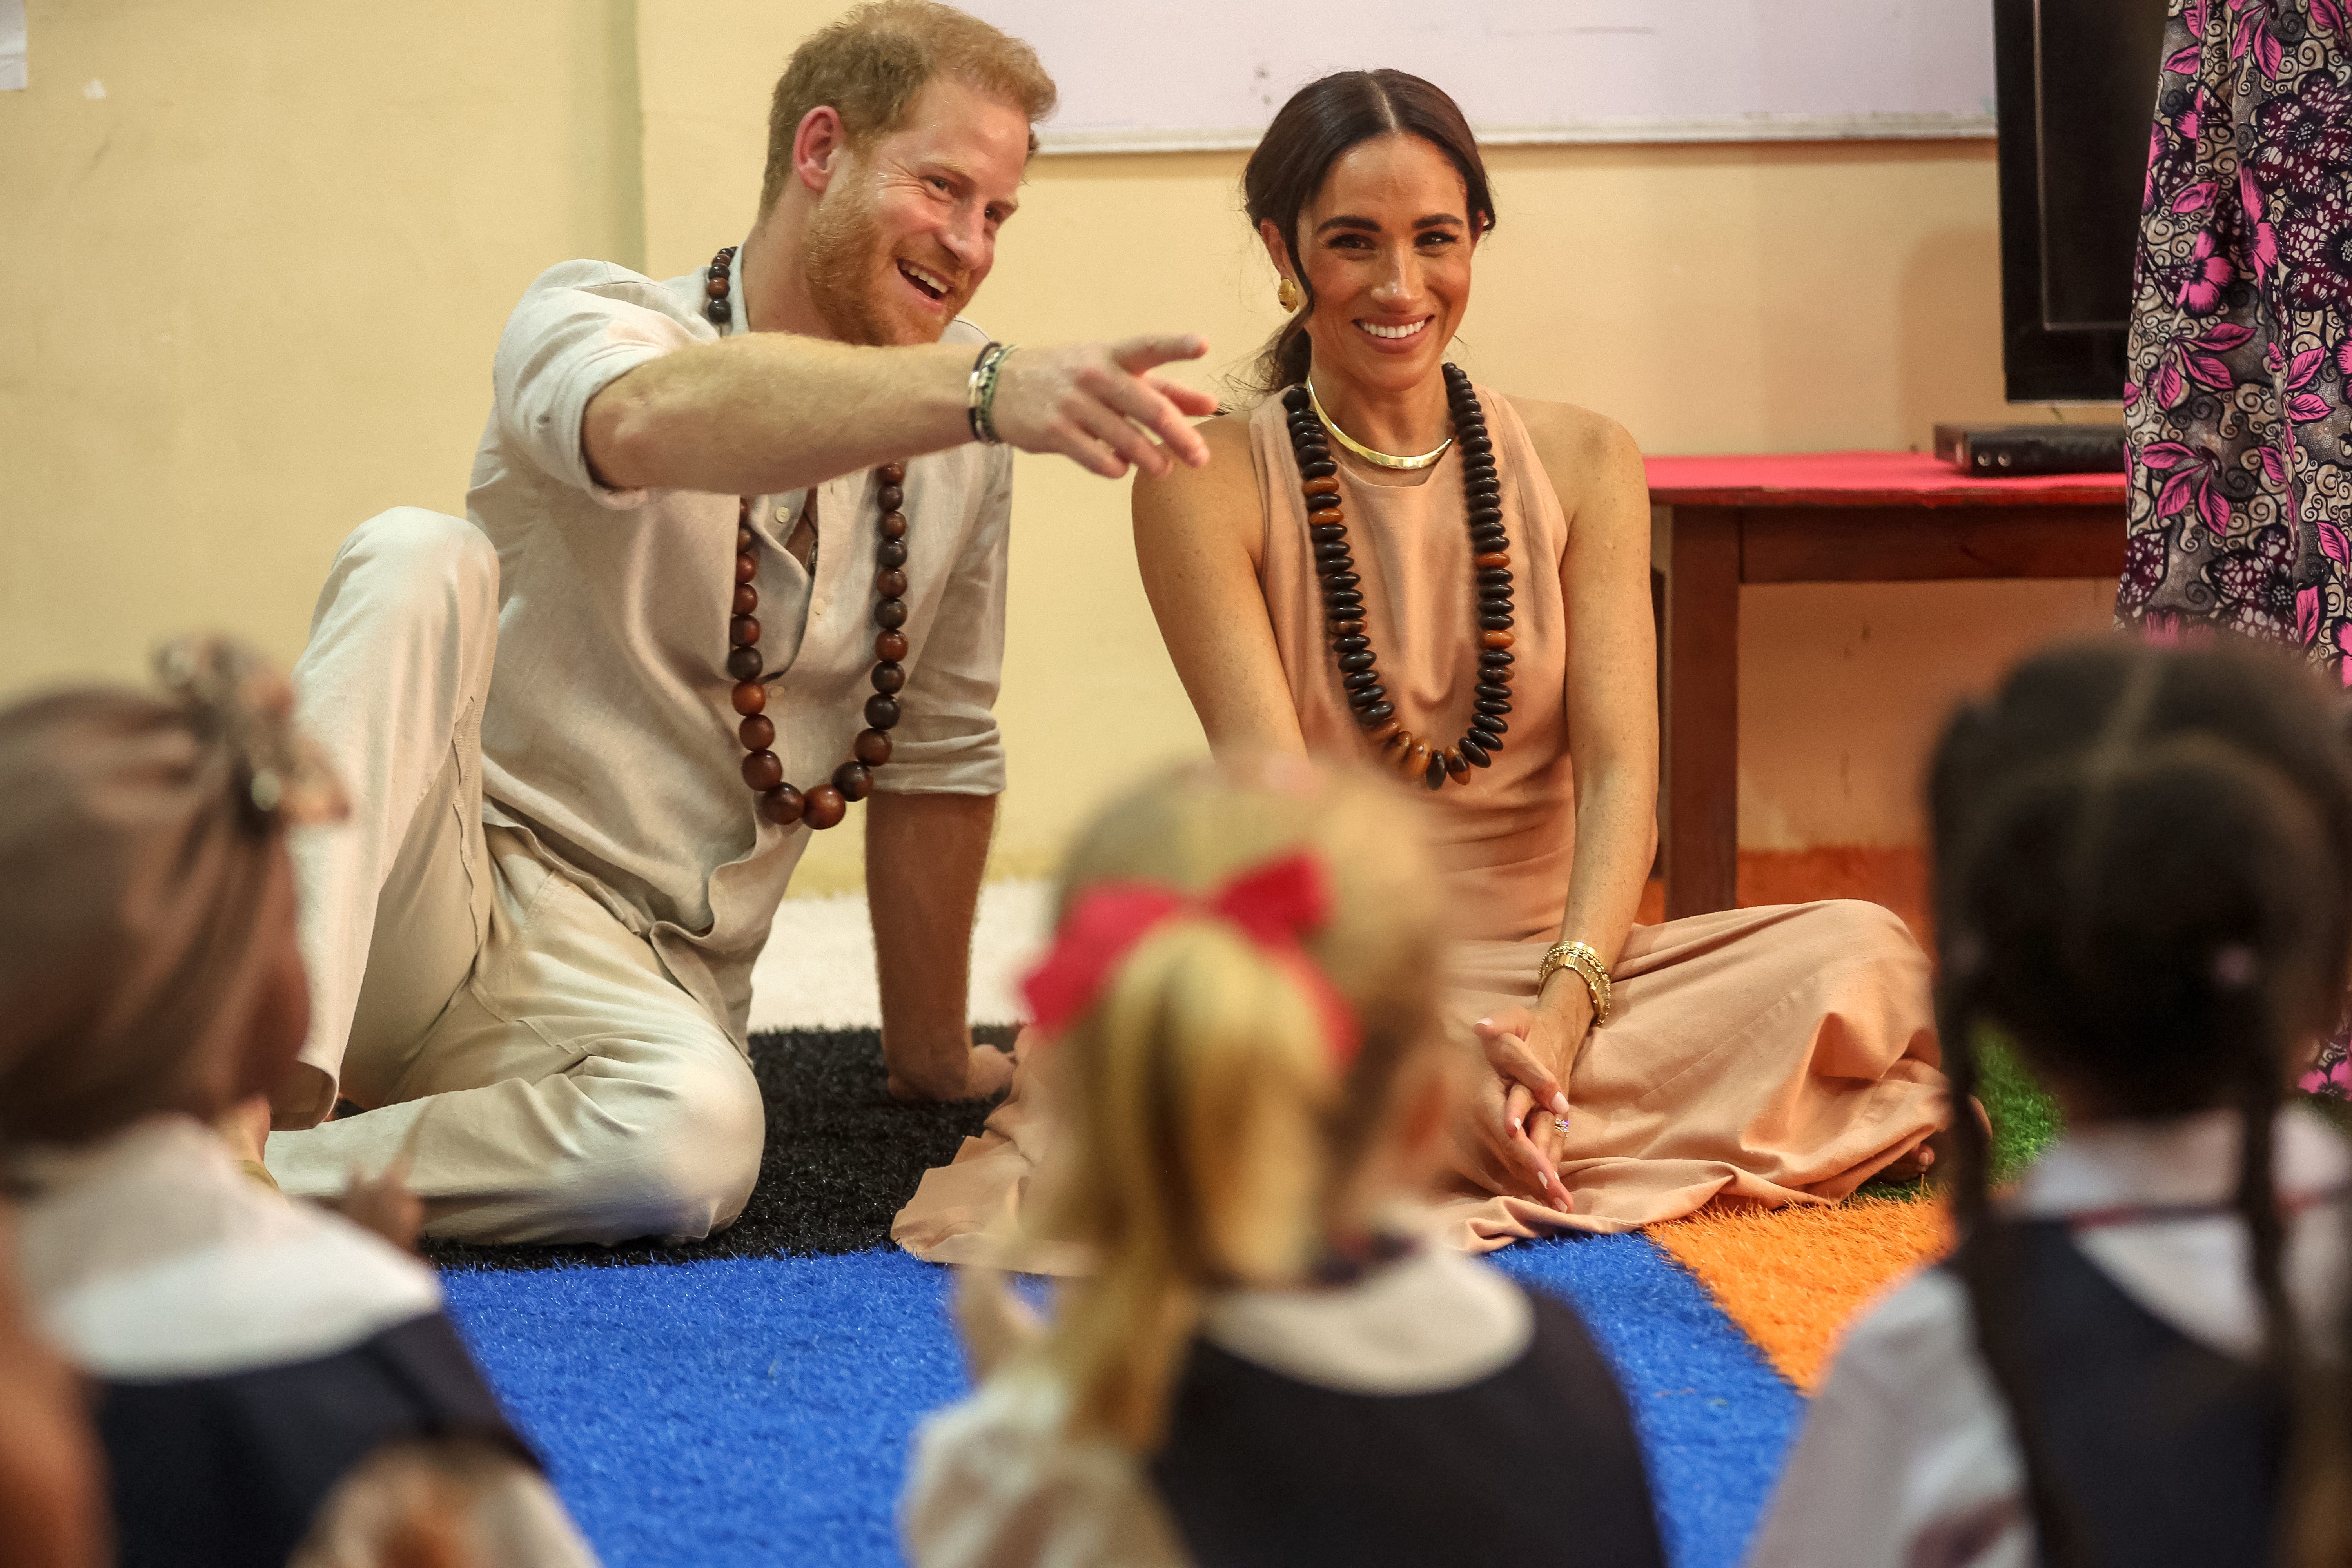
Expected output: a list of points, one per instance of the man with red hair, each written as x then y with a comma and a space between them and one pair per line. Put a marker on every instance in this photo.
735, 555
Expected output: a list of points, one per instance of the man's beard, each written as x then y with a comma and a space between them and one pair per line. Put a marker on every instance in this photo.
838, 255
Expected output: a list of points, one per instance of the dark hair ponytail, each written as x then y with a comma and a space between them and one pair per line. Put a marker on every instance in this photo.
1319, 124
2144, 879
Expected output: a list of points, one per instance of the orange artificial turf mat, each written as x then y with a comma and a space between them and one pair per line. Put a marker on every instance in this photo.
1792, 1278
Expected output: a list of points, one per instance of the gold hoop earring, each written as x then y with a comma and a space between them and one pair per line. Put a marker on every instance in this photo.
1286, 296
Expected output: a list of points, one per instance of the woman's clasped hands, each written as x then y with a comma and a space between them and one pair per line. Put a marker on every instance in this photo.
1521, 1109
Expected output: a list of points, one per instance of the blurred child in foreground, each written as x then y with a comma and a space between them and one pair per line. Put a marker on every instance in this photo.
274, 1383
52, 1513
2144, 883
1264, 1362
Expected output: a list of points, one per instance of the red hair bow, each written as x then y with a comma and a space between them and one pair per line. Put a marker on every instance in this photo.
1274, 904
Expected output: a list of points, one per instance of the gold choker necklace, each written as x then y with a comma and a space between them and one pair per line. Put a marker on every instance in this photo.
1384, 459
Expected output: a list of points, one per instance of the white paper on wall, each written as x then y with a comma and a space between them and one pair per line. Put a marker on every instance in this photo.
12, 44
1210, 73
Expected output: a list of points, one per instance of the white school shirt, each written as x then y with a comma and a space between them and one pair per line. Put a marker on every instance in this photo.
609, 737
148, 1256
1907, 1459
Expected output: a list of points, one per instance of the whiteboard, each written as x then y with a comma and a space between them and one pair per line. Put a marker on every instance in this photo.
1152, 77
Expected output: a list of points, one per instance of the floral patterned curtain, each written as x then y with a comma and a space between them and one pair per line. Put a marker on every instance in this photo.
2240, 484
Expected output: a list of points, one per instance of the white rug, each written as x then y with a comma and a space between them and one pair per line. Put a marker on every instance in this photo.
818, 971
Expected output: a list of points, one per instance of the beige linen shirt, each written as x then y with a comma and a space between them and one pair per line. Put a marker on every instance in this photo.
609, 738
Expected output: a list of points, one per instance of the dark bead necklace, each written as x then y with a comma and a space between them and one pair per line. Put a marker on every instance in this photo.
824, 805
1343, 599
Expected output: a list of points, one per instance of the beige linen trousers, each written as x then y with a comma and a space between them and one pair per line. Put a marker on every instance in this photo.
544, 1075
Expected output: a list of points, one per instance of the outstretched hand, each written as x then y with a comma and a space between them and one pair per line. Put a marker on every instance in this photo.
1097, 405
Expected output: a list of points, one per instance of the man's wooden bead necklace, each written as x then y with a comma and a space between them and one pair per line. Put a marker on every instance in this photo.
1343, 599
823, 804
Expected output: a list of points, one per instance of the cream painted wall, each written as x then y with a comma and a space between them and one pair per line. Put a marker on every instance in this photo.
250, 294
1713, 298
254, 258
1844, 686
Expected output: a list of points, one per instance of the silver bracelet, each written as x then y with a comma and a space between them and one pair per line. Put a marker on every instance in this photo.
979, 396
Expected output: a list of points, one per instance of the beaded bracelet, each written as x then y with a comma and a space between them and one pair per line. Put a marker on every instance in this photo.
1580, 957
979, 396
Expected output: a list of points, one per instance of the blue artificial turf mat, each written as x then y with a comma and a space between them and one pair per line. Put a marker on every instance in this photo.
757, 1410
736, 1411
1716, 1419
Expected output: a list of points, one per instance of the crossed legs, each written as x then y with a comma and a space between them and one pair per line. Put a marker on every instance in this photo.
545, 1078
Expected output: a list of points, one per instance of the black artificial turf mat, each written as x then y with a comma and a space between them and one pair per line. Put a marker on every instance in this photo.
842, 1158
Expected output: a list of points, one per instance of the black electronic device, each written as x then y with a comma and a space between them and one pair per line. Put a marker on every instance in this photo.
2076, 82
1998, 451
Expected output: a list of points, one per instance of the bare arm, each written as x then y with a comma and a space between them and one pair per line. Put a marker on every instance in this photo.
924, 856
1613, 737
1612, 709
771, 412
1197, 537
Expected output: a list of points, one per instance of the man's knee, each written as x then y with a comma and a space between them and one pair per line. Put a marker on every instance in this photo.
692, 1151
412, 556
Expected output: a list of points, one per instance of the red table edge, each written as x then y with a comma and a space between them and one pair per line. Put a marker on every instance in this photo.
1859, 479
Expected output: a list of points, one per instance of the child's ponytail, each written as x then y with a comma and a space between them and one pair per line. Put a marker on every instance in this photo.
1242, 967
1198, 1098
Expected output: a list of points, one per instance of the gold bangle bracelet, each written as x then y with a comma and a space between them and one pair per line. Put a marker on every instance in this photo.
1580, 957
1582, 952
1593, 987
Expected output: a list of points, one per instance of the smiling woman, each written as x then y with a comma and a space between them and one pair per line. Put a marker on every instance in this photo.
1402, 146
1311, 583
1335, 584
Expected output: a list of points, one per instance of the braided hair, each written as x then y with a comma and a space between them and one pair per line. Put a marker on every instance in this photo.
2143, 882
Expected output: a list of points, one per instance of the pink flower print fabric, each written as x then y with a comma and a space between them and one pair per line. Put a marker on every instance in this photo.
2238, 501
2240, 485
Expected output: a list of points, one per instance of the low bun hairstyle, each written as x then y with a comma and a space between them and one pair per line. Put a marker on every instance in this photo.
143, 855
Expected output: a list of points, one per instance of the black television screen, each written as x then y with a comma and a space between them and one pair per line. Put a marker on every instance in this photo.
2076, 81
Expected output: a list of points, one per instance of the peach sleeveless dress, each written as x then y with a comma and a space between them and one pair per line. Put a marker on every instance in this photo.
1771, 1056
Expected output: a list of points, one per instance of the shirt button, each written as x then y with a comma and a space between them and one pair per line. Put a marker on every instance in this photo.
818, 606
784, 514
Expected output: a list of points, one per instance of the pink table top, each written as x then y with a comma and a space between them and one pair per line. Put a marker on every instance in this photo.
1861, 479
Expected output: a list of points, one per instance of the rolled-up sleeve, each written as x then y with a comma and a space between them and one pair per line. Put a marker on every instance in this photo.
579, 328
947, 742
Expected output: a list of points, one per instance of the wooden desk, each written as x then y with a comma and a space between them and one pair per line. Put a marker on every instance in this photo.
1837, 517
